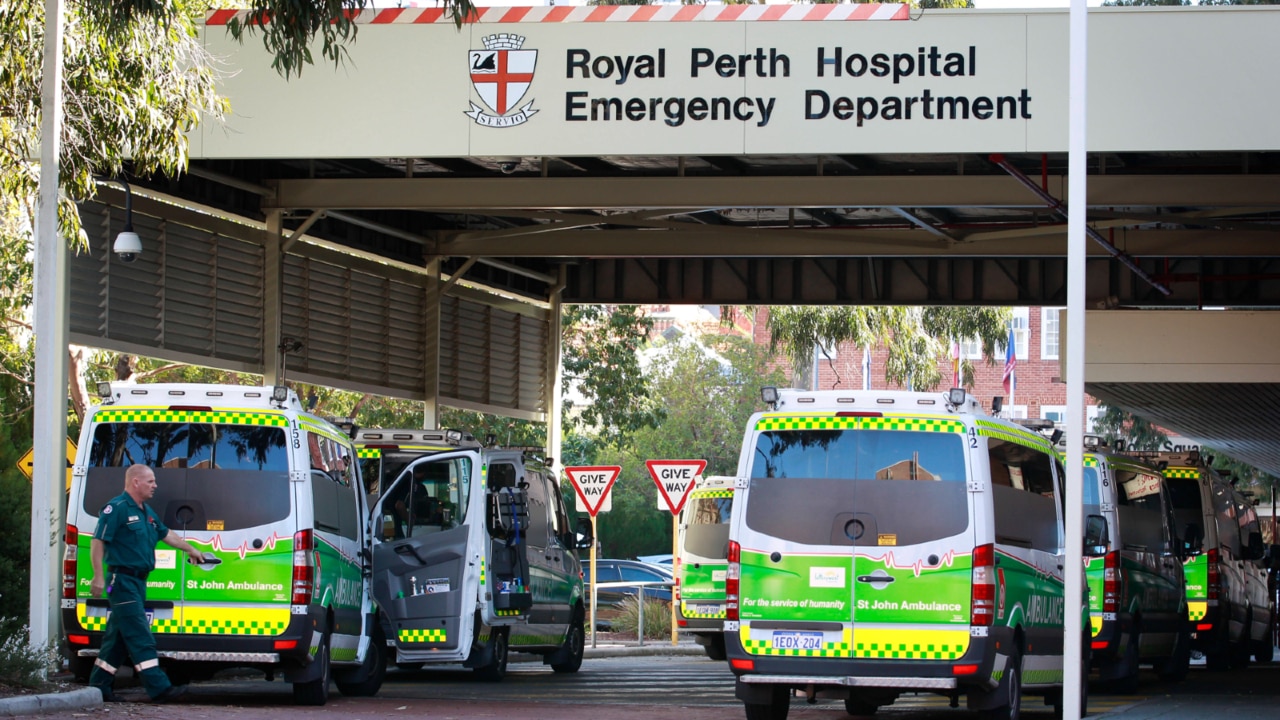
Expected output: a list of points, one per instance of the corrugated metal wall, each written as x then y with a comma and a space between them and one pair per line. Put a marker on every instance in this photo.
196, 296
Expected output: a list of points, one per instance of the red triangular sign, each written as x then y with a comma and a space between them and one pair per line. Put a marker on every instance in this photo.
675, 480
593, 483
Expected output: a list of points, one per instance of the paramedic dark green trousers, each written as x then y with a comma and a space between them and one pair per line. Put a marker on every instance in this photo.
128, 636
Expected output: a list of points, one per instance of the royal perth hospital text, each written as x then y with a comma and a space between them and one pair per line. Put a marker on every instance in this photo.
832, 64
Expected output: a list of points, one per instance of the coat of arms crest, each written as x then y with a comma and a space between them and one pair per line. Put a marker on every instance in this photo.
501, 74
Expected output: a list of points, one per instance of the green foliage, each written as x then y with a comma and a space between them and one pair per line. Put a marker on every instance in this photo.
601, 361
134, 83
708, 391
1121, 429
15, 490
657, 618
22, 664
1260, 484
918, 338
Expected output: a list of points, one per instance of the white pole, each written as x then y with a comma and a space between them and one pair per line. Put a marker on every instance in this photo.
51, 319
1077, 206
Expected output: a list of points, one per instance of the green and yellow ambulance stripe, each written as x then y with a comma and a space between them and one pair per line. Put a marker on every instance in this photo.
830, 421
421, 635
165, 415
200, 620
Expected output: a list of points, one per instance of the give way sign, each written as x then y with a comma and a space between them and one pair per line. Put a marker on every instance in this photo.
592, 484
675, 479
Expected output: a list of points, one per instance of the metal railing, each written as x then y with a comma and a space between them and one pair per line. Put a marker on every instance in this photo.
641, 585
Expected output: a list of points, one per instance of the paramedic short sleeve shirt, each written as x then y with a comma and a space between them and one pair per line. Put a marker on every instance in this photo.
130, 532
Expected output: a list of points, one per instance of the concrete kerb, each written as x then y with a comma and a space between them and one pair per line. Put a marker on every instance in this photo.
85, 697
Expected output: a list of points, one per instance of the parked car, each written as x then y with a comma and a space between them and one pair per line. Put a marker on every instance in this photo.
656, 559
611, 571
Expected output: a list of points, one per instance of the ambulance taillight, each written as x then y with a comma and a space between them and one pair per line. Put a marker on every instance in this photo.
731, 575
982, 610
69, 563
1111, 583
303, 567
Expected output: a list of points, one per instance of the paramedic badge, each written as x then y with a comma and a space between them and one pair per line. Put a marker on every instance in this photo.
501, 74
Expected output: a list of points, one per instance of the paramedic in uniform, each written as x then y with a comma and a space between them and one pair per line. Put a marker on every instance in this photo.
127, 533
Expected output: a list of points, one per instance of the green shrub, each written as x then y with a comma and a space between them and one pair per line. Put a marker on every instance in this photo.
657, 618
21, 664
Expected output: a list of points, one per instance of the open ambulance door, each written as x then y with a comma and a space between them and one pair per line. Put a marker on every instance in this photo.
420, 551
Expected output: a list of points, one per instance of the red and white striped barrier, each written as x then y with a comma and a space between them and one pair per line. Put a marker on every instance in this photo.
615, 13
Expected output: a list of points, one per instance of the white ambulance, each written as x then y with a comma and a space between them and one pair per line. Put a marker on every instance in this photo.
885, 542
701, 562
268, 490
473, 553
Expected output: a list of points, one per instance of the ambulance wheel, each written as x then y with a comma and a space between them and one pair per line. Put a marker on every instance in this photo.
860, 707
81, 668
1085, 662
1127, 684
1176, 667
316, 692
776, 709
497, 667
574, 644
1264, 652
715, 648
1010, 691
1239, 654
375, 662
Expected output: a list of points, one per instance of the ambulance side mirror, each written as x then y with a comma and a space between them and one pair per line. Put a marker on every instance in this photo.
584, 538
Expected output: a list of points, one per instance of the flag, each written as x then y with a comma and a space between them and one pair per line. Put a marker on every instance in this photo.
955, 363
866, 368
1010, 363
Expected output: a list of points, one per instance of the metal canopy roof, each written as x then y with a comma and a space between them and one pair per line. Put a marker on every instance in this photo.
787, 229
892, 229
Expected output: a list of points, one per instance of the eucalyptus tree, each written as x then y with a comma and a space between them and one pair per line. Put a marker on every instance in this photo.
917, 338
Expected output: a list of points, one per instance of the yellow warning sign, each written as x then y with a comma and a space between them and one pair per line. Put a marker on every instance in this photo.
27, 464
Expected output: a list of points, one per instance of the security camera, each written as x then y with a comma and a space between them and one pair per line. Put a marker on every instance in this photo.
128, 245
508, 167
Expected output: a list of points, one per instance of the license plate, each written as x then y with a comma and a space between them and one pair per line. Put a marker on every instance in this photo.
708, 609
797, 641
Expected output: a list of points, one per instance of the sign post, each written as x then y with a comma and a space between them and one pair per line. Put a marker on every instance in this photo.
592, 486
675, 480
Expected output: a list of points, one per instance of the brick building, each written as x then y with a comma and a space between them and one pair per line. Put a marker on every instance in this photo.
1040, 390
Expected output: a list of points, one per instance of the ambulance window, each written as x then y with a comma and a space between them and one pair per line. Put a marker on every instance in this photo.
707, 534
324, 502
895, 487
208, 477
1225, 511
1092, 503
438, 493
371, 472
538, 510
1140, 511
502, 475
1023, 495
1184, 494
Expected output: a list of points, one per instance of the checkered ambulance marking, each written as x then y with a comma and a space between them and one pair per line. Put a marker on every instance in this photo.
164, 415
203, 621
432, 635
832, 422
